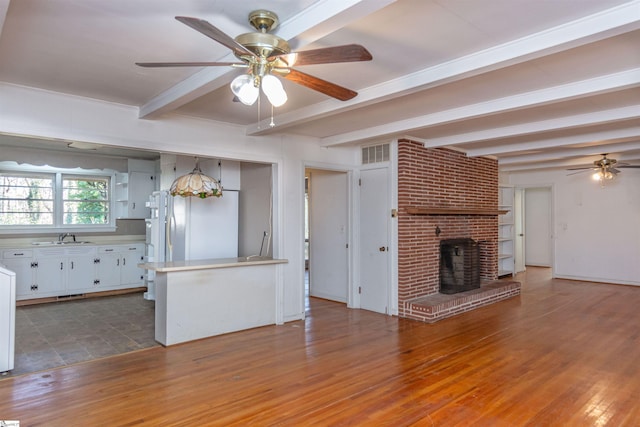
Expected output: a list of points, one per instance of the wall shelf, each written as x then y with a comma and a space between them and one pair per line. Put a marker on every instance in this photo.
454, 211
506, 231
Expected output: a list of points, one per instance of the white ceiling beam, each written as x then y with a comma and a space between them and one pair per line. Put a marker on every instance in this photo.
570, 152
322, 17
334, 14
632, 132
599, 26
569, 91
556, 124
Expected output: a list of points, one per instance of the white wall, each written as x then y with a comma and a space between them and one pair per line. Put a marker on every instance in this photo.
25, 111
596, 231
255, 210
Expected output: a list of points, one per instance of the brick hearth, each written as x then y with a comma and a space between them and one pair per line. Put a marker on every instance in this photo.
465, 191
438, 306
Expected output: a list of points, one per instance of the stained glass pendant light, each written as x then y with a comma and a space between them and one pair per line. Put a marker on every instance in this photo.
196, 184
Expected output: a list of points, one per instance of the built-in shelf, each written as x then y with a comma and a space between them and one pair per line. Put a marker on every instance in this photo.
506, 231
454, 211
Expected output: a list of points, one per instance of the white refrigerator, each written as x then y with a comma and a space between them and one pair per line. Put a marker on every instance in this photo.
7, 318
190, 228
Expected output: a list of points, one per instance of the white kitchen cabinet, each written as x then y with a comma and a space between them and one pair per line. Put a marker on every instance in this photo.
130, 273
118, 266
81, 272
64, 271
506, 231
133, 188
20, 262
141, 185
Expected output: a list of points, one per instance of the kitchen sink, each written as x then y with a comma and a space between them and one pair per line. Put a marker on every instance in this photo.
57, 242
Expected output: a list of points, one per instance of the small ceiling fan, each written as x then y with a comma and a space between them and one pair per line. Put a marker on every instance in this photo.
604, 168
266, 55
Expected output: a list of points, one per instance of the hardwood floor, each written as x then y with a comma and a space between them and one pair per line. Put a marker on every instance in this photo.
564, 353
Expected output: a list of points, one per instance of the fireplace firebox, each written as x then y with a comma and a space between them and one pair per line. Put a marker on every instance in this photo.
459, 265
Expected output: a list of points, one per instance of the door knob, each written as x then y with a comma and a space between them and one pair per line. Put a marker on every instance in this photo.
382, 249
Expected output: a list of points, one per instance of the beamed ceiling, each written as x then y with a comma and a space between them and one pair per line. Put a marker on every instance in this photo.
537, 84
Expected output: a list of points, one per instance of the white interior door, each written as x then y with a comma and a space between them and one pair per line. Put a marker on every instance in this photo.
374, 240
328, 235
538, 230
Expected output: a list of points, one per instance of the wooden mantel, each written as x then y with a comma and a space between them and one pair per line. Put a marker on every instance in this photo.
414, 210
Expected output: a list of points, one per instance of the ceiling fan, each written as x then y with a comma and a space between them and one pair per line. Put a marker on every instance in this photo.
266, 55
604, 168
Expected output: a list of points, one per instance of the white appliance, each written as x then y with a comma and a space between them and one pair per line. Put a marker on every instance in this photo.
189, 228
7, 318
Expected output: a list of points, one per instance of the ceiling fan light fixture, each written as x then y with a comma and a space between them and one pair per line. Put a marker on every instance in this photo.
272, 87
602, 175
244, 88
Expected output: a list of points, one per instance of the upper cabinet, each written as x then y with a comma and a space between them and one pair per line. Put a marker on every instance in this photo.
133, 188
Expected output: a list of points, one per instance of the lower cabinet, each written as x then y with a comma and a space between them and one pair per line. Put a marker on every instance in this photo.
72, 270
117, 266
63, 271
20, 261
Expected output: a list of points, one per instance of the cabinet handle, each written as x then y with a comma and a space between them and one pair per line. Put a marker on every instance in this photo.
72, 265
124, 261
61, 266
21, 254
118, 262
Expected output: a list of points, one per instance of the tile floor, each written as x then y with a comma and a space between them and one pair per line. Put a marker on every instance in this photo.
63, 333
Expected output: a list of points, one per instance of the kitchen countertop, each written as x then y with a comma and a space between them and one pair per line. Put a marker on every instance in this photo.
43, 243
206, 264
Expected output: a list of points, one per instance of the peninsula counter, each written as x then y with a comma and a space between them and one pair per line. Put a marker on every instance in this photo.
202, 298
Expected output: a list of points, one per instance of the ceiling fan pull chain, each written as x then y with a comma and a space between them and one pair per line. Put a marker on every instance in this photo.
272, 124
259, 108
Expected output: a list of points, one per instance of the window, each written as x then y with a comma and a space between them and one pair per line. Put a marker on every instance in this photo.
54, 200
85, 200
26, 199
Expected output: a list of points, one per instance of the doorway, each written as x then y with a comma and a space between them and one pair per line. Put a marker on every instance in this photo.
327, 234
534, 227
537, 227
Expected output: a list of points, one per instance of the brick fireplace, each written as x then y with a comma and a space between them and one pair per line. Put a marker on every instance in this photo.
443, 194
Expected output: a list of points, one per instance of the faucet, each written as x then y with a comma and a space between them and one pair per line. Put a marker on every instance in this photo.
62, 236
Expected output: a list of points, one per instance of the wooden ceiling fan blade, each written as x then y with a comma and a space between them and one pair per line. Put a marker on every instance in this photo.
628, 166
214, 33
582, 168
327, 55
323, 86
190, 64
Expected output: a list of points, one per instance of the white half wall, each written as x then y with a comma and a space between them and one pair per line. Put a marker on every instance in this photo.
596, 230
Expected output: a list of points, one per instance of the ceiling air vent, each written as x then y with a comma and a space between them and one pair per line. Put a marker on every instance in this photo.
375, 154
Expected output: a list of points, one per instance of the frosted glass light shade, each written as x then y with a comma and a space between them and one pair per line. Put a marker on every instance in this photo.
272, 87
243, 87
602, 175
